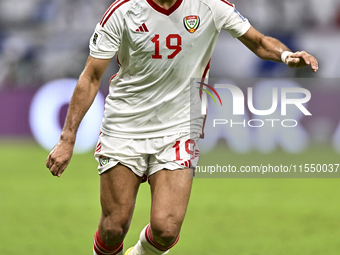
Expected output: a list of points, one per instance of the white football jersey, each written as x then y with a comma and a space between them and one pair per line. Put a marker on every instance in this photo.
159, 51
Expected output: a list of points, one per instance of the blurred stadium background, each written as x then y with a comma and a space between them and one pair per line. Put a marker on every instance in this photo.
42, 41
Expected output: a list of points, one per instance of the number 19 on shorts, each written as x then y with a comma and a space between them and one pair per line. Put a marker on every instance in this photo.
187, 150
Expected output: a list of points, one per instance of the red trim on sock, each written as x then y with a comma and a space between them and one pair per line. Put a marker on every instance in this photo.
152, 241
102, 249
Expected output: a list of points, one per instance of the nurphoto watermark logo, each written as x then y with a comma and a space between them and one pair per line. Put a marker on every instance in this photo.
240, 102
266, 127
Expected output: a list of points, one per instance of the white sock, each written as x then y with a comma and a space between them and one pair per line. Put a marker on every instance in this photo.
146, 244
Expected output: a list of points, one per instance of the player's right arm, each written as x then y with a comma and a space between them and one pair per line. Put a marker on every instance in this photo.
82, 98
268, 48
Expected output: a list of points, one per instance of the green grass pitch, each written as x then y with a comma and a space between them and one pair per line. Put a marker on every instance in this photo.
42, 214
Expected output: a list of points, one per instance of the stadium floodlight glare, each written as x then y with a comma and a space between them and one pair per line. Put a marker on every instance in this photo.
44, 116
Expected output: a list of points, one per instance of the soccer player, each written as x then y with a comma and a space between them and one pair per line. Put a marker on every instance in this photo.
147, 130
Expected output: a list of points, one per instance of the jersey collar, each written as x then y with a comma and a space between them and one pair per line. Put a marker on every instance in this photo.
162, 10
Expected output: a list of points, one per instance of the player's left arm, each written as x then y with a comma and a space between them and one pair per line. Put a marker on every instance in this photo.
268, 48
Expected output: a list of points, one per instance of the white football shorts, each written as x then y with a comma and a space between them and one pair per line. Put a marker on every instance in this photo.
147, 156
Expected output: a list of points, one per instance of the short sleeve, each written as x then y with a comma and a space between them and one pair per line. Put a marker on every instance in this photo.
106, 39
228, 18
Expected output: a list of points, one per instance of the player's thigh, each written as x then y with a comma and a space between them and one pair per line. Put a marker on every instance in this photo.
170, 192
118, 191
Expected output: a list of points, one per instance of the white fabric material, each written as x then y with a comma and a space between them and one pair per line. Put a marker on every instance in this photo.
147, 156
144, 248
150, 96
284, 55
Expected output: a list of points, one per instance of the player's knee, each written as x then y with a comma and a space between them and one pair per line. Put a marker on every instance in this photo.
166, 231
165, 236
114, 228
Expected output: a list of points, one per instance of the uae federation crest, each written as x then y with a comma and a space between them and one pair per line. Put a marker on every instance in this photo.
191, 23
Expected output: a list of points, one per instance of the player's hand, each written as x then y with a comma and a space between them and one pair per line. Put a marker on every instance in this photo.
302, 59
59, 157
